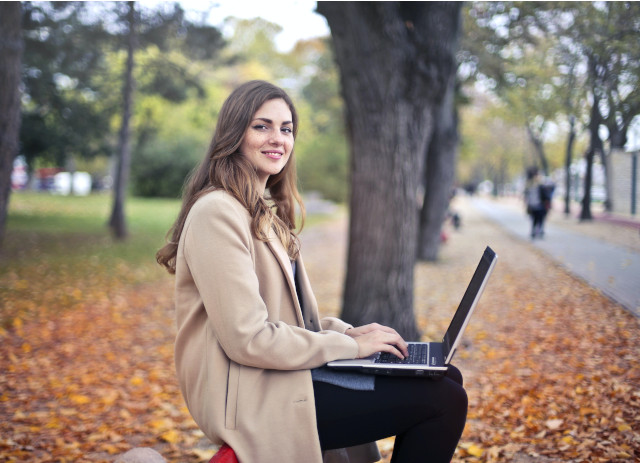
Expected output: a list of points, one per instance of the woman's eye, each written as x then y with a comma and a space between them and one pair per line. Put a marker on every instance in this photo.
260, 127
287, 130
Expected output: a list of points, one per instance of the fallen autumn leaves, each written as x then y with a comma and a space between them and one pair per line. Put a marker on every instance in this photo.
93, 382
551, 366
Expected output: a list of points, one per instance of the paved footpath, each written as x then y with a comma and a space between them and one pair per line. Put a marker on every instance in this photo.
613, 269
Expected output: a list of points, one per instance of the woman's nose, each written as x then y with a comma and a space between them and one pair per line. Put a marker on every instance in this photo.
277, 138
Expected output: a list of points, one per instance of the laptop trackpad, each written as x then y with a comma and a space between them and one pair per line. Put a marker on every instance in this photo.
436, 356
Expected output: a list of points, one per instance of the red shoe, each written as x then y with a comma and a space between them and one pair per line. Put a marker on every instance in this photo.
224, 455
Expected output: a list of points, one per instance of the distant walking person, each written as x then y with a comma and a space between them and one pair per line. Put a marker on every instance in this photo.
537, 196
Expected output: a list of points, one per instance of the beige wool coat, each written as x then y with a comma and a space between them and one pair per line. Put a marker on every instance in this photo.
243, 355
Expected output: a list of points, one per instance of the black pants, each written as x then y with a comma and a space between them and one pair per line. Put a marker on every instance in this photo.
426, 416
537, 222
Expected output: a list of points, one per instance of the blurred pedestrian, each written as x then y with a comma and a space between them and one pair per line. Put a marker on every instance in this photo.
537, 195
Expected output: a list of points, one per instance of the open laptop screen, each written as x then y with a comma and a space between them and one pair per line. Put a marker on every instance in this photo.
467, 304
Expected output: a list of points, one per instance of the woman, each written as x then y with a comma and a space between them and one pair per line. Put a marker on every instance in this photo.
249, 336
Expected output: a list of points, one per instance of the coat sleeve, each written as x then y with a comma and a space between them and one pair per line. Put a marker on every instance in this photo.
335, 324
218, 248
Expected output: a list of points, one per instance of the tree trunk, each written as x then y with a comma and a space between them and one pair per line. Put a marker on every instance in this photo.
394, 64
617, 133
11, 49
567, 165
595, 144
585, 212
539, 148
604, 159
617, 140
118, 222
439, 175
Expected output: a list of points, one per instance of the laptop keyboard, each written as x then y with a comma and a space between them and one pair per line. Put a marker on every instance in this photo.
418, 355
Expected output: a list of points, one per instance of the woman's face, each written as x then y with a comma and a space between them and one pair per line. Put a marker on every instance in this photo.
268, 141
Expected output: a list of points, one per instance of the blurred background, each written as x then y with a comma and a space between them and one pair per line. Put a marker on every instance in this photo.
524, 87
105, 108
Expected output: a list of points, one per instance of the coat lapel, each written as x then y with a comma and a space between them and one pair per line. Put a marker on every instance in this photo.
285, 264
312, 320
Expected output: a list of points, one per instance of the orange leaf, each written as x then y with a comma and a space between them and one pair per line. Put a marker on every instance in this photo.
170, 436
137, 381
475, 450
79, 399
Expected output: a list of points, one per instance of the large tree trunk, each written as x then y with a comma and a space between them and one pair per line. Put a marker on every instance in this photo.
394, 63
439, 174
568, 159
11, 49
118, 222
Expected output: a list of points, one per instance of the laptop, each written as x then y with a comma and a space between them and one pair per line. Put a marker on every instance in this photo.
429, 358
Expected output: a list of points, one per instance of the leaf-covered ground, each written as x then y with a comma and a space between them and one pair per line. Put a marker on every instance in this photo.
551, 366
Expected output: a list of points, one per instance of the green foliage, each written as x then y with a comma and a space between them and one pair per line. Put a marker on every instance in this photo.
322, 149
483, 154
73, 68
183, 73
98, 167
324, 168
159, 169
171, 139
62, 55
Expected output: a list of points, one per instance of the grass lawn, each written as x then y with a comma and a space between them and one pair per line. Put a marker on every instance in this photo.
58, 249
42, 223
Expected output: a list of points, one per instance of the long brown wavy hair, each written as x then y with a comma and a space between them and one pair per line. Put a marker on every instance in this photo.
225, 168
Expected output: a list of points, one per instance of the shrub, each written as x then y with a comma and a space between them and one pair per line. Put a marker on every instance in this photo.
160, 168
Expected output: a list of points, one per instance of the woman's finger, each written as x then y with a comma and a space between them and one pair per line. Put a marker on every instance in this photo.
380, 341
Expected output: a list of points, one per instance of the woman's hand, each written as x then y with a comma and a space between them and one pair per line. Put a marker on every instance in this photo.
374, 338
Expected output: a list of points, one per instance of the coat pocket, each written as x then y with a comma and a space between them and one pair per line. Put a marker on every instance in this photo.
231, 406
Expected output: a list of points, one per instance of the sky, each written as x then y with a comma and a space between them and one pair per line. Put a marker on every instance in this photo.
297, 17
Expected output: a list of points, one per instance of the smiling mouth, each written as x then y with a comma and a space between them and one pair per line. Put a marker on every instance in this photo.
273, 154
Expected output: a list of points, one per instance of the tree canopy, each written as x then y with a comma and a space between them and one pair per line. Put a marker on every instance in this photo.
547, 62
74, 62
